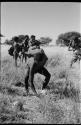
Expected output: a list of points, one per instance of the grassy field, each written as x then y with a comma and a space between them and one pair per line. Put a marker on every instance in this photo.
60, 105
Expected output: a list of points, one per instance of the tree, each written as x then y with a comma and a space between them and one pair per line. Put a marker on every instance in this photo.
9, 42
45, 40
64, 39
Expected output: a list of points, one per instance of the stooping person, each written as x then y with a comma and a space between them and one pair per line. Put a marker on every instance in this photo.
35, 64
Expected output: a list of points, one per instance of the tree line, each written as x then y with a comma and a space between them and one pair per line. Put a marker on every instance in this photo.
43, 40
62, 40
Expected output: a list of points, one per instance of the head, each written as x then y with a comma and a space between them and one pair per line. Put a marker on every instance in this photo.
32, 40
32, 37
16, 39
76, 39
36, 43
27, 37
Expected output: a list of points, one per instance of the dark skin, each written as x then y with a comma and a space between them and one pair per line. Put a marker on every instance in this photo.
77, 56
36, 67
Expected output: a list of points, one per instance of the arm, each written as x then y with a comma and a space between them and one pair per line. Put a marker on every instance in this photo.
33, 51
45, 58
69, 46
29, 54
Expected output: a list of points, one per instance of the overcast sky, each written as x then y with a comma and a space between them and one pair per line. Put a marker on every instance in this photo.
39, 18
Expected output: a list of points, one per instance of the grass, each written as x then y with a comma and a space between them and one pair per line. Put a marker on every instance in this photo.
60, 104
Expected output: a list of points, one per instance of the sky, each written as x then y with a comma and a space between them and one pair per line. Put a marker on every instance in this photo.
43, 19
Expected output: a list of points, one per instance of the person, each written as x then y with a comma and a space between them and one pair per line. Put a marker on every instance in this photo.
32, 40
77, 43
11, 50
25, 47
76, 56
36, 62
26, 40
79, 40
17, 49
71, 45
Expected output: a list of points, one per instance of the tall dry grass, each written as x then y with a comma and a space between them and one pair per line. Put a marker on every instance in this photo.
57, 106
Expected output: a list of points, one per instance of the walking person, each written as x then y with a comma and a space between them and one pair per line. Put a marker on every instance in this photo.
17, 50
25, 47
76, 56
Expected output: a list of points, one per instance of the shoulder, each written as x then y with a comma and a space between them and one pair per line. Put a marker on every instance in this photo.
42, 51
32, 47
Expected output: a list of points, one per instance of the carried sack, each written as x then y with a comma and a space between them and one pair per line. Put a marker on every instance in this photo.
10, 51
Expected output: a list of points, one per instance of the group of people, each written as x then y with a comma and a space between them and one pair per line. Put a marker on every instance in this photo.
17, 50
35, 64
36, 60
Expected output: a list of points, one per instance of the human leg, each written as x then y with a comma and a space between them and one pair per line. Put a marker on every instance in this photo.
47, 75
26, 79
15, 57
31, 78
75, 58
25, 57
